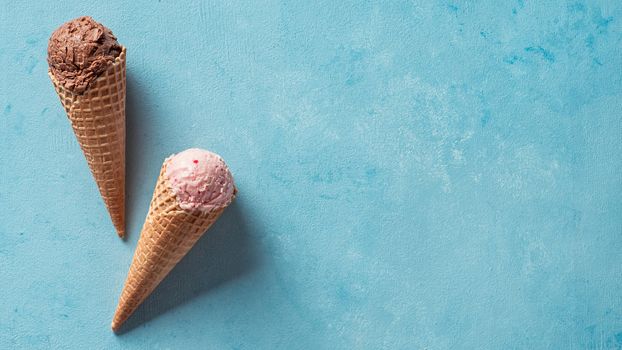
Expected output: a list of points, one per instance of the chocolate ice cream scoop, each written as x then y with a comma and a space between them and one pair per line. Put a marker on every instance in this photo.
79, 51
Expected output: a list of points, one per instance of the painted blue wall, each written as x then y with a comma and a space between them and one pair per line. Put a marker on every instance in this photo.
412, 174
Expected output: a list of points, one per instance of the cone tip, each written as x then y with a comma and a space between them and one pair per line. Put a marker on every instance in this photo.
117, 322
119, 225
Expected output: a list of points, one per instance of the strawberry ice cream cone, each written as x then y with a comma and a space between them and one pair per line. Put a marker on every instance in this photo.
193, 189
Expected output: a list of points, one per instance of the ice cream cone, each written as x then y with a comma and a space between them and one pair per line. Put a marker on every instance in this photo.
169, 232
98, 120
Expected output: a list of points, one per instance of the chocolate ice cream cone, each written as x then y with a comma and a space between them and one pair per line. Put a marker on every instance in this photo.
87, 68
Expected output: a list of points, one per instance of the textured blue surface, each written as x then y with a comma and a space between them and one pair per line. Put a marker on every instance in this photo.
412, 174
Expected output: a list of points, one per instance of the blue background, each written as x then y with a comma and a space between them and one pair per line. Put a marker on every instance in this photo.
412, 174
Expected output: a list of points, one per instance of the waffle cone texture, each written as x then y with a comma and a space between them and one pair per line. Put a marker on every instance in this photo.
167, 236
98, 120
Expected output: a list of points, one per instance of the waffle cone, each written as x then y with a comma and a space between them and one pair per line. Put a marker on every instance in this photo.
98, 120
168, 234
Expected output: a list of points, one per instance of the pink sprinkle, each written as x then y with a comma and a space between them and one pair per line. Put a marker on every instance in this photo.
195, 161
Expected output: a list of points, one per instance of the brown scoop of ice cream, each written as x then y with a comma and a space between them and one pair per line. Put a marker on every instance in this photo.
79, 51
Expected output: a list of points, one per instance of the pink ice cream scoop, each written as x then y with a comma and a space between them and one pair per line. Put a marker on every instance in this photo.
200, 180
